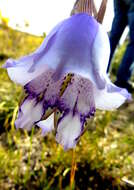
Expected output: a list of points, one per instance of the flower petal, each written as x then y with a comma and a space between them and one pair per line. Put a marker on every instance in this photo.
73, 45
46, 125
45, 87
81, 50
25, 69
68, 49
107, 99
30, 112
78, 97
40, 84
113, 88
69, 129
101, 50
100, 56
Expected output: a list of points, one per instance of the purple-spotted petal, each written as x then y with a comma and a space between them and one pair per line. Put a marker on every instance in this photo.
46, 125
69, 129
78, 97
30, 112
77, 102
45, 87
42, 83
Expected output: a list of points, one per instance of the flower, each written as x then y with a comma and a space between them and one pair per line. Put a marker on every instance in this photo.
66, 76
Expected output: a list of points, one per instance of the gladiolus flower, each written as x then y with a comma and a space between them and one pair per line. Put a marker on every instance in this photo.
66, 73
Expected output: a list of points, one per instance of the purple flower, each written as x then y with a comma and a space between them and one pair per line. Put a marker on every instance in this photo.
78, 46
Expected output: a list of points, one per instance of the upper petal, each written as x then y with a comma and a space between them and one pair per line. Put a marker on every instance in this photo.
101, 50
73, 45
82, 47
68, 48
29, 67
82, 50
100, 57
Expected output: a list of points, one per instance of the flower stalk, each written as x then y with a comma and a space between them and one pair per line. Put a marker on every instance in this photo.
73, 169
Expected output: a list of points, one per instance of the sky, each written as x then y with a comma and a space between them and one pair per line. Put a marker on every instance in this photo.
43, 15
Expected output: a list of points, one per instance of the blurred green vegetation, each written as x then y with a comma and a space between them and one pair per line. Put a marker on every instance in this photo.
4, 20
103, 156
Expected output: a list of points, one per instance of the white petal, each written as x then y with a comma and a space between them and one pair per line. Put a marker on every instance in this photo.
101, 50
18, 70
105, 100
46, 125
29, 113
20, 73
69, 129
100, 57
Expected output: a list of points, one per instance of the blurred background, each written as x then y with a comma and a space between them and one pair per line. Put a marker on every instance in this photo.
103, 158
41, 15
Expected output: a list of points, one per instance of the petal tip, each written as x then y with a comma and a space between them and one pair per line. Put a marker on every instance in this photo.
126, 94
8, 63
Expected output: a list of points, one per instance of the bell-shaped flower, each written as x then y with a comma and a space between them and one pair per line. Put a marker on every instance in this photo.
66, 73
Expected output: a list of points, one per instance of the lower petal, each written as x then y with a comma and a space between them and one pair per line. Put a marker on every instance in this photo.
69, 129
113, 88
30, 112
46, 125
78, 96
110, 98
